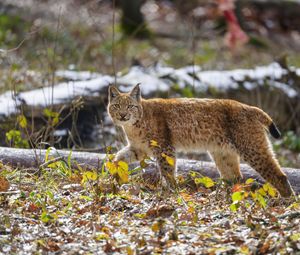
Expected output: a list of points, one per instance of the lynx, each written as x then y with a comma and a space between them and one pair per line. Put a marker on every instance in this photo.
227, 129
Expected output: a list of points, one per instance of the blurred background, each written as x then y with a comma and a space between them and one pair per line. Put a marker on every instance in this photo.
123, 41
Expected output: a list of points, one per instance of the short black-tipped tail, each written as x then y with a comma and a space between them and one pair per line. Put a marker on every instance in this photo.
274, 131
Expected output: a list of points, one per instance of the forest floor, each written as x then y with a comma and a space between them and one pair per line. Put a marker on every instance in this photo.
77, 35
59, 211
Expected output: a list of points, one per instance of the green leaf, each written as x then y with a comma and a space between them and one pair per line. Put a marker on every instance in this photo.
50, 194
87, 198
45, 217
261, 200
69, 159
51, 115
47, 154
237, 196
234, 206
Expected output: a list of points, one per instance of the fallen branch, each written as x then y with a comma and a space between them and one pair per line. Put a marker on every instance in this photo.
51, 161
27, 158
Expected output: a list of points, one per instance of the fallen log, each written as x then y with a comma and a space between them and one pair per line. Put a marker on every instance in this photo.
29, 158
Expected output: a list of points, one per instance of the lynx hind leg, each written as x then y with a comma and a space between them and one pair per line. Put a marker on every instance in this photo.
228, 164
261, 158
166, 159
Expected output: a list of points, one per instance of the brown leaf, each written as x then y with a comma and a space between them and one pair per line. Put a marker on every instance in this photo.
52, 246
109, 247
33, 208
236, 188
4, 184
160, 211
264, 248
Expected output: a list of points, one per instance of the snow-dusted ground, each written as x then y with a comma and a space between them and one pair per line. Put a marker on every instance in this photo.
155, 78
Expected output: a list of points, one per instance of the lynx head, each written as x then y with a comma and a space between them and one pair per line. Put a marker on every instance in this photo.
124, 108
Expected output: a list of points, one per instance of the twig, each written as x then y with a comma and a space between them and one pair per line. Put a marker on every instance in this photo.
10, 192
113, 44
20, 44
51, 161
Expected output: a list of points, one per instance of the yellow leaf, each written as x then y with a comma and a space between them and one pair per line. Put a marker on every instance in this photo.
262, 192
170, 160
269, 189
254, 195
250, 180
111, 156
156, 227
55, 120
102, 236
123, 171
111, 167
206, 181
22, 121
295, 237
129, 250
91, 175
123, 165
244, 249
153, 143
191, 209
193, 174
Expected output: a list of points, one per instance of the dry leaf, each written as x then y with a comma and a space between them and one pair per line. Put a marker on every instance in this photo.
4, 184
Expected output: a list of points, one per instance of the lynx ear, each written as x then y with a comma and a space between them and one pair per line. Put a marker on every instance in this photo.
112, 92
136, 92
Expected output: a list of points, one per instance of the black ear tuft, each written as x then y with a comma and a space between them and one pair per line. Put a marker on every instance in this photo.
136, 92
274, 131
112, 92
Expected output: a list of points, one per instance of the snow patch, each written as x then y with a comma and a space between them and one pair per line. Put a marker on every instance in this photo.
155, 78
77, 75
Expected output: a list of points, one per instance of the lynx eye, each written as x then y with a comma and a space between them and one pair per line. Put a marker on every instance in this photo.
116, 106
131, 106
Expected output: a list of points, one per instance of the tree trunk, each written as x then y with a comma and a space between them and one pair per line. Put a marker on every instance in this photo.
35, 158
132, 21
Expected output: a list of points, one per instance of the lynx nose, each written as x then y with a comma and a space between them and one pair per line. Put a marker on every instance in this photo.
122, 115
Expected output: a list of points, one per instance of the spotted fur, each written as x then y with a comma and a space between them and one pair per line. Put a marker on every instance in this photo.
227, 129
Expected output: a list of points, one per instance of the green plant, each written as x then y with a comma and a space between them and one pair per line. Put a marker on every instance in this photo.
291, 141
203, 180
15, 139
245, 194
